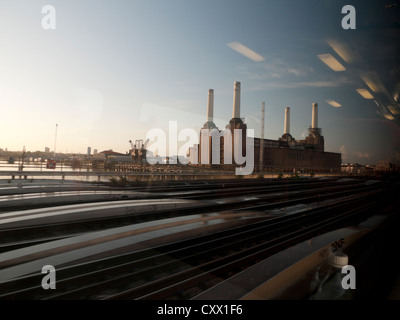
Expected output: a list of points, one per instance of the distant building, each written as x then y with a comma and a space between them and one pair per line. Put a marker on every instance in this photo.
285, 154
99, 156
111, 152
89, 150
387, 166
116, 156
193, 154
95, 151
47, 150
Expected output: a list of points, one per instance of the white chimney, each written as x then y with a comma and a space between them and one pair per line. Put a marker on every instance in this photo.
236, 100
210, 106
287, 121
314, 123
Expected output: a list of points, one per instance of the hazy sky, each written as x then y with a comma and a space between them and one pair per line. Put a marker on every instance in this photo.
113, 70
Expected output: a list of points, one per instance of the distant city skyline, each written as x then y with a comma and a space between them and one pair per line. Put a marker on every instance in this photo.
111, 71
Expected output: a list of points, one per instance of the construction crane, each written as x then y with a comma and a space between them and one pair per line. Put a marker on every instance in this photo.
138, 149
132, 145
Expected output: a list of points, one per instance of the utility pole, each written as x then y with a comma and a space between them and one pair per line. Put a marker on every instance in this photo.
21, 166
262, 137
55, 142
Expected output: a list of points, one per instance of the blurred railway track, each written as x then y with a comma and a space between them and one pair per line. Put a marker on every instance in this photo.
184, 268
262, 199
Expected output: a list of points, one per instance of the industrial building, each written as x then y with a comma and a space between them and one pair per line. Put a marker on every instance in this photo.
283, 155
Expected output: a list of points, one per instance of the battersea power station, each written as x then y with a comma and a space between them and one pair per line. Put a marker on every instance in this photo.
224, 147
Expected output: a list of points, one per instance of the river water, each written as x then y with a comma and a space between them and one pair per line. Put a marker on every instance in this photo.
39, 166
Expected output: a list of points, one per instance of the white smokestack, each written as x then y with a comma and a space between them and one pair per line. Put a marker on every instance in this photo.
287, 121
236, 100
210, 105
314, 123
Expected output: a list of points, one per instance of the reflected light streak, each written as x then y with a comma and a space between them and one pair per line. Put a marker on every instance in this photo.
237, 46
331, 62
394, 110
365, 93
342, 49
374, 83
333, 103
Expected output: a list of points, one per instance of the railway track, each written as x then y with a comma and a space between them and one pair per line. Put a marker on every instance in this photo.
19, 237
155, 188
183, 269
24, 199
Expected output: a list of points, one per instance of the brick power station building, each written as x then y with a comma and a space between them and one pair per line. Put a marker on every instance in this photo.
283, 155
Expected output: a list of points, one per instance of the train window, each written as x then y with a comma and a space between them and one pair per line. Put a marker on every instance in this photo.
194, 150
